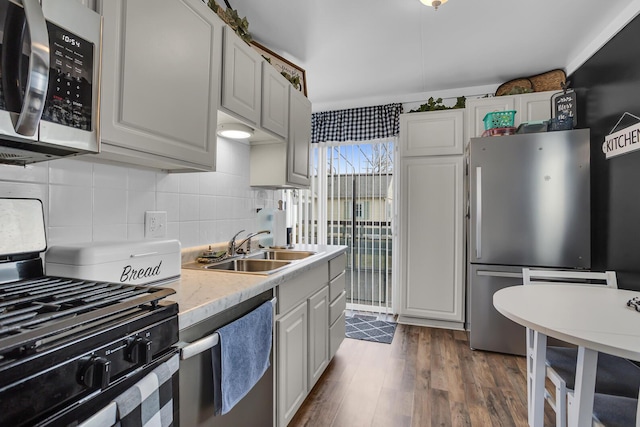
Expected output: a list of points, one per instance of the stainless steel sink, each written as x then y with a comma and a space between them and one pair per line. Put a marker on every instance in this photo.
285, 255
263, 262
244, 265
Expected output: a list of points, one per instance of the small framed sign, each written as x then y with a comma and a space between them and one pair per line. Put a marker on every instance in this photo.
289, 70
564, 106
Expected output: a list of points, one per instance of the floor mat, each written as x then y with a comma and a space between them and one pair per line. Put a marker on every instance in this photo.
368, 328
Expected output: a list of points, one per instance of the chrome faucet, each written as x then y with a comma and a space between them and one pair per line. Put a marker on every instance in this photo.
236, 247
231, 250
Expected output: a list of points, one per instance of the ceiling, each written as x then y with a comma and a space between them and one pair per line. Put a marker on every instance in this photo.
368, 52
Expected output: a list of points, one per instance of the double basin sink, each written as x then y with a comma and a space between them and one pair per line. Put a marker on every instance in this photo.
262, 262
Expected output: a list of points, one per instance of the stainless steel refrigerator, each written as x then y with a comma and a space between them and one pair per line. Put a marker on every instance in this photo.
529, 206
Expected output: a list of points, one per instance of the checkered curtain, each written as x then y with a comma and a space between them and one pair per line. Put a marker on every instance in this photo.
356, 124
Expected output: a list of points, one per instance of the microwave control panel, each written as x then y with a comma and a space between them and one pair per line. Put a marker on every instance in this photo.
69, 98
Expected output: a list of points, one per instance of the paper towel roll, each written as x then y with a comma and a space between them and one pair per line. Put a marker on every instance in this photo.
279, 230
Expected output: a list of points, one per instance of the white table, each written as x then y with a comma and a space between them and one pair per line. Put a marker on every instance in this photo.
595, 318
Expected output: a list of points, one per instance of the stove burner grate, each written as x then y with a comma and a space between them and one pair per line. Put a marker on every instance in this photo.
34, 309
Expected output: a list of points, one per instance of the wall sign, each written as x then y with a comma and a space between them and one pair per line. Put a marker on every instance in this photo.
621, 142
564, 106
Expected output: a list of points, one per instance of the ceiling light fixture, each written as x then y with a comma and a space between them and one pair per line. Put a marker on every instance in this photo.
433, 3
234, 131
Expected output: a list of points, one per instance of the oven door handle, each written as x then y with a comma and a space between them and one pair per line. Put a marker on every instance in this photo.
188, 350
31, 106
107, 416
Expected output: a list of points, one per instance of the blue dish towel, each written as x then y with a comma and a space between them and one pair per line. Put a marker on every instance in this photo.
150, 401
242, 356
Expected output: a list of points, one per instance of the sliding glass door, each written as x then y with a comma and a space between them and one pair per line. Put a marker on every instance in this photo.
351, 203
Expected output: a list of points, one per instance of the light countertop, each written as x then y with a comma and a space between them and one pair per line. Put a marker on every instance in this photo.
201, 293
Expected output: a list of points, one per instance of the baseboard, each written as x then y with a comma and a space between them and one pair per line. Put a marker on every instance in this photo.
432, 323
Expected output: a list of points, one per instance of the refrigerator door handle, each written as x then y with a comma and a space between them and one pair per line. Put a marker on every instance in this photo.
499, 274
478, 212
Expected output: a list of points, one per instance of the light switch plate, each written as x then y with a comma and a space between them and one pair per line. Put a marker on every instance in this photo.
155, 224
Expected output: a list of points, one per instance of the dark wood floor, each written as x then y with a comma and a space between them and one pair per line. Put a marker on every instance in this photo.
426, 377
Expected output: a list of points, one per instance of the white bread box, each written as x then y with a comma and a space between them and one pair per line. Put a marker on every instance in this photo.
143, 262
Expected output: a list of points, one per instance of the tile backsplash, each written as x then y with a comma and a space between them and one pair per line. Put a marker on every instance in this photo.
86, 200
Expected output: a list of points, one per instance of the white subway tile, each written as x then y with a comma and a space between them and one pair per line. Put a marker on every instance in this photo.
189, 234
168, 182
173, 231
109, 232
110, 176
208, 183
66, 235
189, 207
207, 232
207, 208
24, 191
190, 183
109, 206
141, 179
137, 203
71, 172
170, 203
135, 232
37, 172
70, 206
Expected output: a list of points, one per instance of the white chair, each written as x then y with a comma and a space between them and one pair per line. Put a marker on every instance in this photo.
615, 376
615, 411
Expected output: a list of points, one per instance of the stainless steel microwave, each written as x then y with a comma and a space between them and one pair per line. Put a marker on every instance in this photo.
49, 80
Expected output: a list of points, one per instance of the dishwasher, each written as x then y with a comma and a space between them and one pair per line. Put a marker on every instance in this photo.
196, 373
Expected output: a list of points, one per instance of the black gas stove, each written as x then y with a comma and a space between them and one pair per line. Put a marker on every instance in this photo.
69, 346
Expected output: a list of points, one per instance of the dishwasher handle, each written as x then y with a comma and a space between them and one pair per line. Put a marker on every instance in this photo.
188, 350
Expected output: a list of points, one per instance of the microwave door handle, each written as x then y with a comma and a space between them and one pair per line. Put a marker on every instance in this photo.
478, 212
27, 120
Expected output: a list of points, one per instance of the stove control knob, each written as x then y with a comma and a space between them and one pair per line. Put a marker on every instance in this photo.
139, 351
96, 373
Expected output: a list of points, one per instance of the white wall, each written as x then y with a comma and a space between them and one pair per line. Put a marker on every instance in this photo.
86, 200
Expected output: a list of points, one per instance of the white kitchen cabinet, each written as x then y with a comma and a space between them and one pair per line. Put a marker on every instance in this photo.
160, 83
432, 133
530, 107
275, 101
241, 79
299, 142
338, 299
285, 164
292, 351
431, 236
313, 301
318, 335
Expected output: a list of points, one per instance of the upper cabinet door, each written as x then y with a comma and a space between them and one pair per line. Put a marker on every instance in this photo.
432, 133
299, 139
160, 82
275, 101
535, 106
241, 79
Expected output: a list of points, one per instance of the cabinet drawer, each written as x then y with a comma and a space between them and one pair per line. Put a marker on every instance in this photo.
337, 266
298, 289
336, 286
336, 308
336, 335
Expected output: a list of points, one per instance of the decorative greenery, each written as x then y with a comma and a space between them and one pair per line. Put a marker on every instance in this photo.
434, 105
231, 17
295, 80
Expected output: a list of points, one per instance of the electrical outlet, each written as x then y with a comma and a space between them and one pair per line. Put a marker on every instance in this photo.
155, 224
